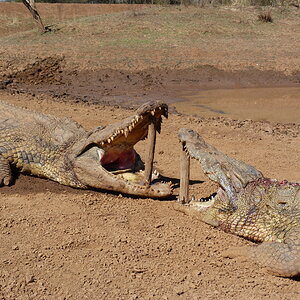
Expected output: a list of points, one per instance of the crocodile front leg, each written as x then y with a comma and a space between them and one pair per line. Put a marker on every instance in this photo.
280, 258
5, 171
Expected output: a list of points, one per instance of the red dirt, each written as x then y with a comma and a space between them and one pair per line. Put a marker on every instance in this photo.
62, 243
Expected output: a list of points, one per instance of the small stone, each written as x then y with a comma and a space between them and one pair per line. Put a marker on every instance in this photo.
30, 278
159, 225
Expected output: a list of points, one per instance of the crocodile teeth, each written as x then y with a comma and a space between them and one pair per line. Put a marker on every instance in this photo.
187, 153
126, 132
155, 175
152, 112
155, 172
207, 199
100, 153
130, 127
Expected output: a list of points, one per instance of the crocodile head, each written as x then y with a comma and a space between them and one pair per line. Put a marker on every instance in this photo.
249, 205
106, 158
230, 174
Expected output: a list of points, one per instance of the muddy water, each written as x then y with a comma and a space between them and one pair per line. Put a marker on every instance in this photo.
280, 105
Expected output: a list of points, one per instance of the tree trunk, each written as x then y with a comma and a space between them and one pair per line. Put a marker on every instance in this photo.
32, 8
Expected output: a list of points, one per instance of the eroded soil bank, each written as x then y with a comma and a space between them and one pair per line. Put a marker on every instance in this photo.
127, 88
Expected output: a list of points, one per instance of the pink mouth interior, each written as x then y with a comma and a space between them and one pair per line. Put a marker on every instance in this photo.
119, 159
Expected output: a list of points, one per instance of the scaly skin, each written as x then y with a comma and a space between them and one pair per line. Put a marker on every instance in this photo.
249, 205
61, 150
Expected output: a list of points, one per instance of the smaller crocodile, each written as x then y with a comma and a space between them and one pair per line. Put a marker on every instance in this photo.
62, 150
250, 205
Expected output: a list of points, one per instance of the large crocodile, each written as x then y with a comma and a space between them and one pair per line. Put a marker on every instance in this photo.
247, 204
61, 150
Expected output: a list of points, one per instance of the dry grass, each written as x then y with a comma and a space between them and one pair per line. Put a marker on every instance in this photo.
265, 17
142, 37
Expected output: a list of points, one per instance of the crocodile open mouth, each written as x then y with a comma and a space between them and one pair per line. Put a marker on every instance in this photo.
194, 147
201, 203
114, 147
230, 174
117, 154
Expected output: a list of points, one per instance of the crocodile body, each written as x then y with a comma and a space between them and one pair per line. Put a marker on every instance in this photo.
247, 204
62, 150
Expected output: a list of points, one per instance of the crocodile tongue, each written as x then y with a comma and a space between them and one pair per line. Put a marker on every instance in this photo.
118, 159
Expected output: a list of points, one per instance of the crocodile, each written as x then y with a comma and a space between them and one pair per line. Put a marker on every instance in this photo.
263, 210
61, 150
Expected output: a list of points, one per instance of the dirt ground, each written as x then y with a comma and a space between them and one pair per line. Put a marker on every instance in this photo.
62, 243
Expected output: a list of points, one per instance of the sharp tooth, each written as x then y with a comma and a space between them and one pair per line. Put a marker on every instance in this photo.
155, 175
126, 132
100, 153
130, 127
137, 118
112, 138
153, 112
109, 140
